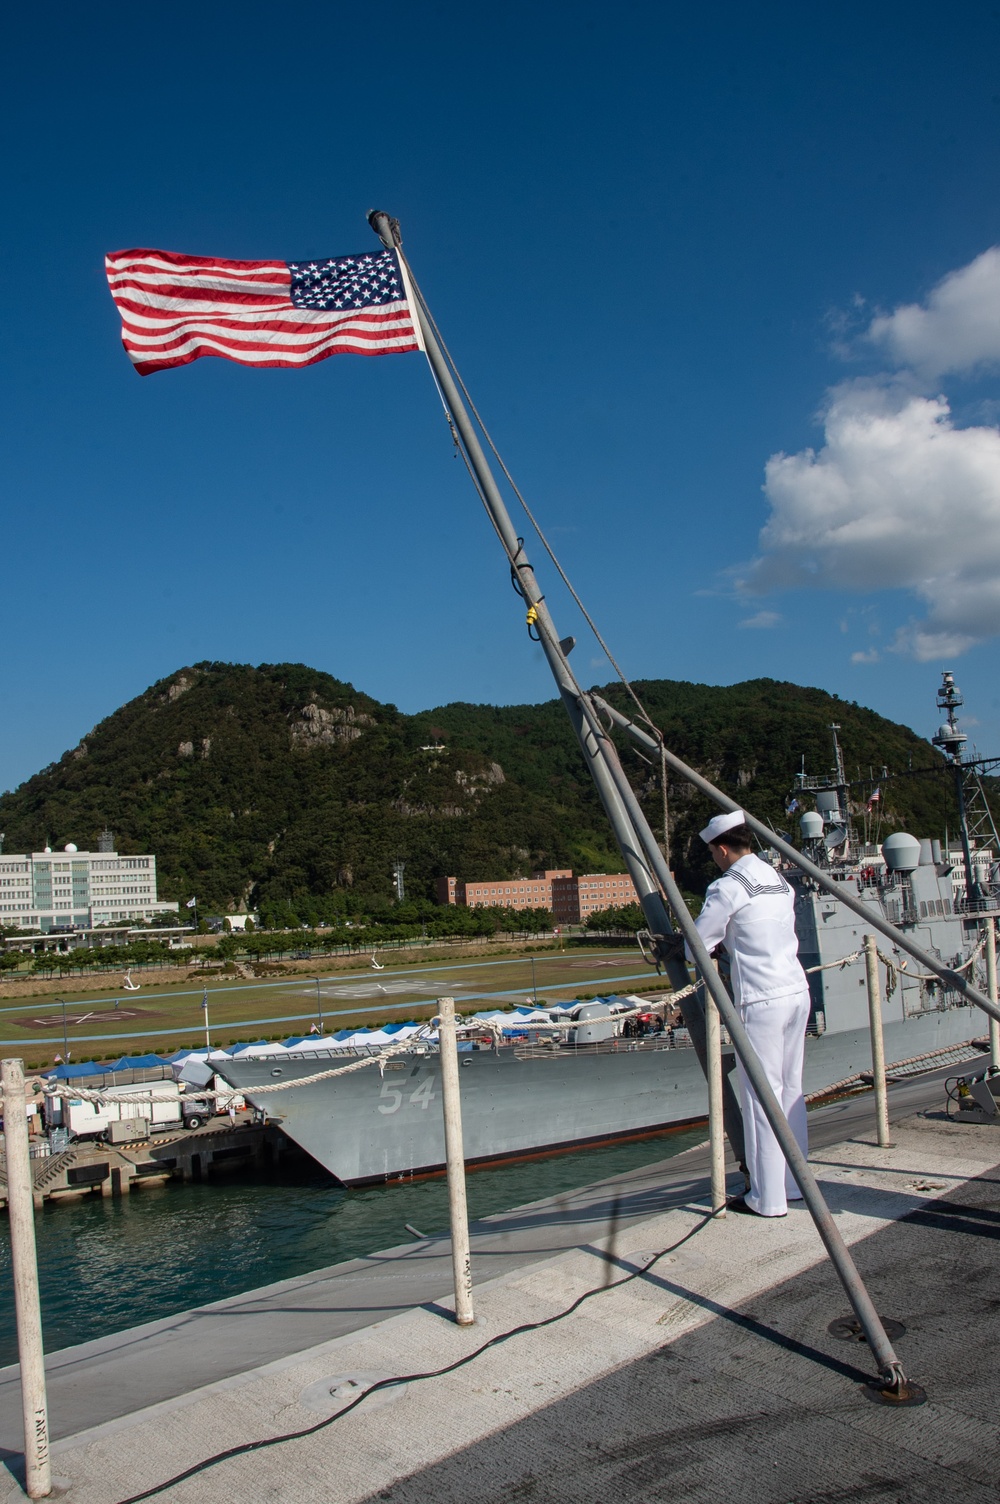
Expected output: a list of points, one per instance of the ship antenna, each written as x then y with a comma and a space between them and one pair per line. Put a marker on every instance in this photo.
951, 740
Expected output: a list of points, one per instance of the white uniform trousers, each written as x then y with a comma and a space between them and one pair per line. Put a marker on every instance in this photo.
777, 1030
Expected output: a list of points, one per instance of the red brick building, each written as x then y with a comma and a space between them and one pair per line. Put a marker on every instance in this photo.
602, 890
571, 899
534, 892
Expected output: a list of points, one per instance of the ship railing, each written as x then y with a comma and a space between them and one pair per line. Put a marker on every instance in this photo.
620, 1045
989, 904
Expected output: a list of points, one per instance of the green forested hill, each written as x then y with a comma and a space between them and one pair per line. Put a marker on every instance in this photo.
282, 785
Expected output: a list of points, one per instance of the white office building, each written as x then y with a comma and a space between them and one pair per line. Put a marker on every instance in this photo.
70, 889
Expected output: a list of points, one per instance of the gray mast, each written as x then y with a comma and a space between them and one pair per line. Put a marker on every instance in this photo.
830, 790
598, 750
951, 739
643, 856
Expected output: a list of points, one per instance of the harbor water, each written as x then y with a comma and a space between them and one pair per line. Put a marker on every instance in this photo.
106, 1264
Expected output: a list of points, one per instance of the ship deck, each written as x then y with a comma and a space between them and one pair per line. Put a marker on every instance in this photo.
709, 1375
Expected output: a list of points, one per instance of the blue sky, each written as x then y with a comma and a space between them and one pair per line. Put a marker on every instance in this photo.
666, 245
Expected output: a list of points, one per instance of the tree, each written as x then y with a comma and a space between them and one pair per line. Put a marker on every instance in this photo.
624, 920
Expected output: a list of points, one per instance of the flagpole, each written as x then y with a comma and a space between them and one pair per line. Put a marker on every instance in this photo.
204, 1004
598, 750
654, 881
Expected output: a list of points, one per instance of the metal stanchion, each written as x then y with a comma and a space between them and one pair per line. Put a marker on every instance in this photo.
27, 1308
991, 989
461, 1258
716, 1130
878, 1048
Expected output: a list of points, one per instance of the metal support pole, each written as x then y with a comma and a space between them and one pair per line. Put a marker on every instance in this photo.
991, 987
643, 856
878, 1047
894, 1386
973, 892
650, 897
716, 1138
952, 979
27, 1307
319, 1006
461, 1258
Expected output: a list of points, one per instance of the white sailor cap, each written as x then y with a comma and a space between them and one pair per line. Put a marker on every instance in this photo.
721, 823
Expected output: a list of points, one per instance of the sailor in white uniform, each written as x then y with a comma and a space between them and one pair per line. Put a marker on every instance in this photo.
750, 910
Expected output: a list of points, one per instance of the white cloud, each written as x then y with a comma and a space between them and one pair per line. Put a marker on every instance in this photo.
896, 498
762, 620
871, 656
956, 329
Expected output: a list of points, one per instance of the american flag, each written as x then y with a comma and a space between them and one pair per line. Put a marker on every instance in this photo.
259, 313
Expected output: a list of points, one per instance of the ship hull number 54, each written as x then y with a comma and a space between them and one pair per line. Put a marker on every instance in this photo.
392, 1098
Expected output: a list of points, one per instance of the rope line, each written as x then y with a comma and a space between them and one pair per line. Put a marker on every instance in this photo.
930, 976
831, 965
97, 1095
527, 510
901, 965
893, 966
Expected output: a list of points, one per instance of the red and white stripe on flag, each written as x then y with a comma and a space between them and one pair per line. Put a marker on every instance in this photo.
175, 308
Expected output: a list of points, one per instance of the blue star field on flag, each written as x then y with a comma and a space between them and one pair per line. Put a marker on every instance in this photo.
346, 281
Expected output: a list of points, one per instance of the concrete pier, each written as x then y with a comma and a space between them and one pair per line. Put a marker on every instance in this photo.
191, 1154
709, 1376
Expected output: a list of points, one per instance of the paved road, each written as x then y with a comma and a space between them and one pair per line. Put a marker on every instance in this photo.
114, 1376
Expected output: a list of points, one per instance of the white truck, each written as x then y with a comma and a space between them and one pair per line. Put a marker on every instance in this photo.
92, 1119
196, 1073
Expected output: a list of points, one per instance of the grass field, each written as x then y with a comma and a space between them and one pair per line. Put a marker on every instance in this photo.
163, 1018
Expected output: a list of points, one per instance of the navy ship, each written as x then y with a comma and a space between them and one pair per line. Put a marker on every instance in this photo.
533, 1094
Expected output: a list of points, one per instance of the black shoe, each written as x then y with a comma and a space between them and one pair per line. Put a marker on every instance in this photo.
739, 1204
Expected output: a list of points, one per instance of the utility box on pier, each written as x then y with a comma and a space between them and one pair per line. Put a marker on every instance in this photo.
127, 1131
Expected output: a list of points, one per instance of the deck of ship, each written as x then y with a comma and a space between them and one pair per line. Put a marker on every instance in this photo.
708, 1377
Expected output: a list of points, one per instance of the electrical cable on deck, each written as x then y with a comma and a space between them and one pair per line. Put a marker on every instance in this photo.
413, 1378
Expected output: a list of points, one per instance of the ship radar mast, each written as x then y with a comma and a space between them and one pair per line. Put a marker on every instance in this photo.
950, 737
975, 816
830, 791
